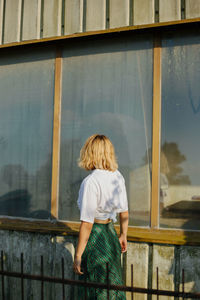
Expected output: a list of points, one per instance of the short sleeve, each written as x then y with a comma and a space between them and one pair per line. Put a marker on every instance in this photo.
87, 200
123, 199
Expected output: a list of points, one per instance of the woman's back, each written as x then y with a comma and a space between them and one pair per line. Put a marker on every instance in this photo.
104, 191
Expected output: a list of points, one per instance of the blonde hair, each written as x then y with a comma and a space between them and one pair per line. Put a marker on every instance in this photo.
98, 153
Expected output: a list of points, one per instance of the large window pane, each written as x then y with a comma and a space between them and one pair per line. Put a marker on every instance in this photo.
107, 89
26, 118
180, 164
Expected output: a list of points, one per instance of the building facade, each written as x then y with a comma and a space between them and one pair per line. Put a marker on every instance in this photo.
128, 69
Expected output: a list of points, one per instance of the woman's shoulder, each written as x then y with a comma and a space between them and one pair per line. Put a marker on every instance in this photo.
119, 174
88, 181
99, 174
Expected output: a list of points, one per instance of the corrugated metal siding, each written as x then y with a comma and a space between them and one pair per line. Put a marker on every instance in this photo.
192, 9
52, 16
143, 12
12, 21
34, 19
169, 10
73, 16
95, 14
31, 22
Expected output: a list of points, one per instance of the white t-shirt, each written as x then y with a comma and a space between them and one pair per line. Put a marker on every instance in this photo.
102, 195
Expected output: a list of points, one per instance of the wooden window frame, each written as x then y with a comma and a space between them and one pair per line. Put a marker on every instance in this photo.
152, 234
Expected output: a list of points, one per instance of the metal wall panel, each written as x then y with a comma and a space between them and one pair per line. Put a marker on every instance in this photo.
143, 12
1, 19
52, 13
31, 19
73, 18
169, 10
95, 15
119, 13
192, 9
12, 21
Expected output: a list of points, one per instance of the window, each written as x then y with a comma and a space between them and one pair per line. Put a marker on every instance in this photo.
142, 90
26, 115
180, 148
107, 89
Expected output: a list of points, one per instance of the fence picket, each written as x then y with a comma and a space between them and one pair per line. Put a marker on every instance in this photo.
72, 282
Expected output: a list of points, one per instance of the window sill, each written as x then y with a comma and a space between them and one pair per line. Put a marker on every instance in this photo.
147, 235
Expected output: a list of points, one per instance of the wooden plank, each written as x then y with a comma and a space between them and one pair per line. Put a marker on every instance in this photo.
148, 235
1, 20
73, 17
12, 24
95, 15
164, 236
192, 8
31, 19
119, 13
156, 132
52, 15
143, 12
178, 25
169, 10
56, 135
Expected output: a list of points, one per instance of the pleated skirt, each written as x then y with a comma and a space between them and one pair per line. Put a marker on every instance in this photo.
103, 247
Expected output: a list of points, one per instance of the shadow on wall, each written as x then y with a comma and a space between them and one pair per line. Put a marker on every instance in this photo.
187, 258
17, 204
34, 245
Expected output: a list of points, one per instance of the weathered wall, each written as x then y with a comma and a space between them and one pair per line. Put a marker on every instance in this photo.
145, 259
34, 19
33, 245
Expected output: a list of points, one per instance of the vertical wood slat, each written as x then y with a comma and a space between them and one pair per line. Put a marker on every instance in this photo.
143, 12
119, 13
95, 15
12, 23
56, 134
169, 10
73, 16
1, 20
31, 19
52, 16
192, 9
156, 132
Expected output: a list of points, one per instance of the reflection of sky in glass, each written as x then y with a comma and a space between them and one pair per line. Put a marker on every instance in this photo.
109, 100
26, 121
25, 109
181, 99
107, 89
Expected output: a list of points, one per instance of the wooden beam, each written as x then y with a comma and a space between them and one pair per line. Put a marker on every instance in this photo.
156, 132
56, 134
145, 235
102, 32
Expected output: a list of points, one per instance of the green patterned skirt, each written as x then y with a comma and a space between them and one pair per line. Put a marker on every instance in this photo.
103, 247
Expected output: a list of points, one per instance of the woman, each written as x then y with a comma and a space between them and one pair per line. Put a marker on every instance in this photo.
101, 196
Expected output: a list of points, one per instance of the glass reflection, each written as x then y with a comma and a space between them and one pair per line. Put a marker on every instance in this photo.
180, 167
107, 88
26, 117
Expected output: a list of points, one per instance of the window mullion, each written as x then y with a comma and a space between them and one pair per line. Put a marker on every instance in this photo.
56, 134
156, 131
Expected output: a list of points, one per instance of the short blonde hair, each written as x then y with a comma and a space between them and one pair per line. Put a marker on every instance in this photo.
98, 153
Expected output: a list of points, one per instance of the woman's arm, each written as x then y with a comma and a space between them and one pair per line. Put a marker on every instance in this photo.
84, 233
123, 230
